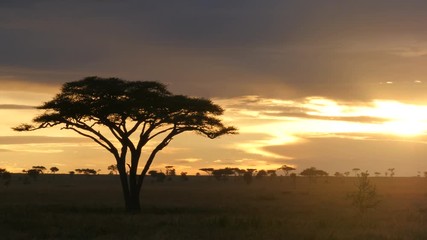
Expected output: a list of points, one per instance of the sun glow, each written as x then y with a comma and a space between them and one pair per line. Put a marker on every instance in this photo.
292, 122
388, 117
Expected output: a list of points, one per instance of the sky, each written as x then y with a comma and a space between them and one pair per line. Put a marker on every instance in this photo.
332, 84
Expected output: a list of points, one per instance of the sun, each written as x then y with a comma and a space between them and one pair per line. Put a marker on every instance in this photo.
404, 119
405, 128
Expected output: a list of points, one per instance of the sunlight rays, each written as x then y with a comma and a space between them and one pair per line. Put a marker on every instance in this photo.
285, 122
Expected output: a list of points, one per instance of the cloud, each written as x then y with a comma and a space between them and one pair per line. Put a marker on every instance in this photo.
18, 140
15, 106
276, 49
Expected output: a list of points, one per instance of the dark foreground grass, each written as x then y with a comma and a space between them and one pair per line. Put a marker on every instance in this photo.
91, 208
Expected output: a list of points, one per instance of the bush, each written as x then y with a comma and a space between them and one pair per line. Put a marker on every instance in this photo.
365, 197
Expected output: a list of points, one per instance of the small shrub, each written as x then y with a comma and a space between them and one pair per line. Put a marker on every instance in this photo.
365, 197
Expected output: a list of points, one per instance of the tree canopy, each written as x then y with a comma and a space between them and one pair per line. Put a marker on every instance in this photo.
103, 109
312, 172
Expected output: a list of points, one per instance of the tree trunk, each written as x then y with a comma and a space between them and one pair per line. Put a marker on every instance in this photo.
130, 191
132, 204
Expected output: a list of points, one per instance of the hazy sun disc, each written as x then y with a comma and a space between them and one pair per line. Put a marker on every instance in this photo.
405, 128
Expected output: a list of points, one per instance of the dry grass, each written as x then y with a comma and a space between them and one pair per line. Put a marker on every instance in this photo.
83, 207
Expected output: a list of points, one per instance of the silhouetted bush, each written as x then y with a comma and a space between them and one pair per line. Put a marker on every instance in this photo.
365, 197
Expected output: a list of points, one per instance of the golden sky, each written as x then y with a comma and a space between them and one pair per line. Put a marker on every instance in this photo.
330, 84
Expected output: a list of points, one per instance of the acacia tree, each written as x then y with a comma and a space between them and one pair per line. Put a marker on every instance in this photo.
113, 169
111, 111
54, 170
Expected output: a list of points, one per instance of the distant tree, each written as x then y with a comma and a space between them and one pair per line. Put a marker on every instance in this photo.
377, 174
425, 174
110, 111
158, 176
71, 173
54, 170
338, 174
5, 176
33, 173
223, 173
86, 171
207, 170
251, 170
391, 170
113, 169
184, 176
260, 174
40, 169
346, 174
170, 171
313, 172
286, 169
356, 171
197, 174
272, 173
239, 172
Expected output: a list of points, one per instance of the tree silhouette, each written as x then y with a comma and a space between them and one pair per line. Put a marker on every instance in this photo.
207, 170
260, 174
272, 173
184, 176
391, 170
159, 176
170, 171
5, 176
54, 169
366, 196
86, 171
223, 173
33, 173
313, 172
40, 169
286, 169
107, 109
112, 168
356, 171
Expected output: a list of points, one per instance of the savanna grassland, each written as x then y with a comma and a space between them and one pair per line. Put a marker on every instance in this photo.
91, 207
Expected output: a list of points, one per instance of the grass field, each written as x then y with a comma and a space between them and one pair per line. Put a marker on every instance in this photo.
81, 207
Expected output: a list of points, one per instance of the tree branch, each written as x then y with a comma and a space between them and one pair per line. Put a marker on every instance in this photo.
91, 137
150, 159
160, 132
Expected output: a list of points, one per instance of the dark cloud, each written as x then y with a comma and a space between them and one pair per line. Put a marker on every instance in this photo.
275, 48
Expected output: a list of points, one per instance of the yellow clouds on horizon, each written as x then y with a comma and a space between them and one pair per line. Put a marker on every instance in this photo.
284, 122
